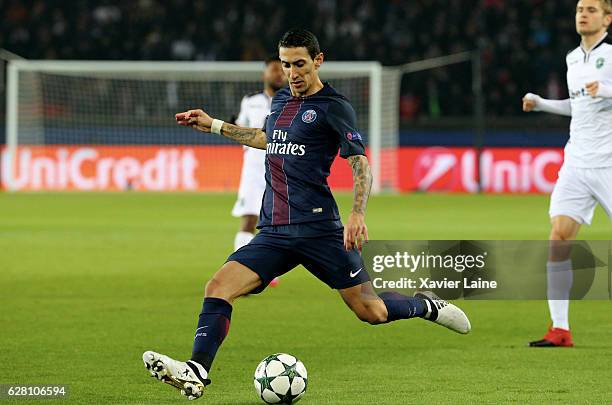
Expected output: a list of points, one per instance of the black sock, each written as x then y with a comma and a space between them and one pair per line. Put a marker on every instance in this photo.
402, 307
213, 326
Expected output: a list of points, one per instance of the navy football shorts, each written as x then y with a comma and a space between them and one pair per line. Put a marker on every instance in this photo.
277, 249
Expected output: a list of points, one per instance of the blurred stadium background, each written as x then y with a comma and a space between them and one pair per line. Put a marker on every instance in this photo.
92, 279
468, 112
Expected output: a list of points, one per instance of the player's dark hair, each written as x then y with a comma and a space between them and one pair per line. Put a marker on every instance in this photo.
301, 38
271, 58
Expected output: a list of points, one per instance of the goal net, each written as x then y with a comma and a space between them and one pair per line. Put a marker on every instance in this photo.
88, 125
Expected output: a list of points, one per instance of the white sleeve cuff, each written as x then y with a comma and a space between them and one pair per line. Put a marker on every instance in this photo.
560, 107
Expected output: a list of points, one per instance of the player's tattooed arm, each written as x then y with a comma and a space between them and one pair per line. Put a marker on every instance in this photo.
362, 182
253, 137
356, 231
198, 119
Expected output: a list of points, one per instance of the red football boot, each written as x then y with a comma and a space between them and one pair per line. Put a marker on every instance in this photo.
555, 337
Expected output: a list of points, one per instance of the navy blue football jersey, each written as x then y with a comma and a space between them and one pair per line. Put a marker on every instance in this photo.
303, 136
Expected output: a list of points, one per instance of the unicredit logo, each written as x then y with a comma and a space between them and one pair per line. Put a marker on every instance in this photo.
436, 169
502, 170
89, 168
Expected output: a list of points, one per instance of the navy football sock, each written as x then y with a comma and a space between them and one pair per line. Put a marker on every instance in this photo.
213, 326
402, 307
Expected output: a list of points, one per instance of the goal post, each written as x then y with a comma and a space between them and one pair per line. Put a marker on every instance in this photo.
108, 125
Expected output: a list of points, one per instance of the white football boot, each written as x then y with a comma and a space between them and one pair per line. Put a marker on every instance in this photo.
444, 313
189, 377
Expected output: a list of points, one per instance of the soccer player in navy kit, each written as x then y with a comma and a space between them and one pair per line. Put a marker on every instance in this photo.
299, 221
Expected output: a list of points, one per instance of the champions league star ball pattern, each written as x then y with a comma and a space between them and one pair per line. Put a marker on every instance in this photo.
280, 379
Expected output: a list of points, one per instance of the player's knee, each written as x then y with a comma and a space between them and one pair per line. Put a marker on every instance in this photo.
213, 287
561, 232
556, 233
233, 280
564, 228
217, 289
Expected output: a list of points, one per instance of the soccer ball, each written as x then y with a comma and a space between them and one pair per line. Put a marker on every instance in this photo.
280, 379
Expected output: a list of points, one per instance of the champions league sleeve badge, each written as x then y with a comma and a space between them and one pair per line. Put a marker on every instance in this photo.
353, 136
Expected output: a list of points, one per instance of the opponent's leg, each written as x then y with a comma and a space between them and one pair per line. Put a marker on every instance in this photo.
559, 269
246, 232
391, 306
230, 282
248, 224
572, 203
559, 281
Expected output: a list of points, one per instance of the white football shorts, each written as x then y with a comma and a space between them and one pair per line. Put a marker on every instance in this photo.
578, 190
252, 183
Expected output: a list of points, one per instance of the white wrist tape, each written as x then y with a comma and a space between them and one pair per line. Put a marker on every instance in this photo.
215, 128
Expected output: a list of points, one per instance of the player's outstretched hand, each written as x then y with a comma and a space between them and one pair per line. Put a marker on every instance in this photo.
355, 231
592, 88
196, 119
528, 103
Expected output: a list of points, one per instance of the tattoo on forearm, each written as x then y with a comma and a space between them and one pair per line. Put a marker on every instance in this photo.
362, 182
253, 137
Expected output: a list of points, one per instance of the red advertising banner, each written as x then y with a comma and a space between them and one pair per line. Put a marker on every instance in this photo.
139, 168
503, 170
217, 168
115, 168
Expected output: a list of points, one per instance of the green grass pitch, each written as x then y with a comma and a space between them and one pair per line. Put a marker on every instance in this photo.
90, 281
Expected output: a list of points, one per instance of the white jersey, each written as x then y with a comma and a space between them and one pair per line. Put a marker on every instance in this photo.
253, 112
254, 109
590, 143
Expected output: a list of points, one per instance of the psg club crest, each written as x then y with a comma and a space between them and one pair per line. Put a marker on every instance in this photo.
309, 116
353, 136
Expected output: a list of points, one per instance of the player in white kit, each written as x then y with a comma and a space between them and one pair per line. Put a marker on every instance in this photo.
585, 178
254, 109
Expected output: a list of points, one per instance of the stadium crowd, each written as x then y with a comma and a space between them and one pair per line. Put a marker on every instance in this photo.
523, 42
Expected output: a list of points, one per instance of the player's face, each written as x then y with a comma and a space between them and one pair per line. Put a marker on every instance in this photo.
590, 17
274, 77
301, 70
